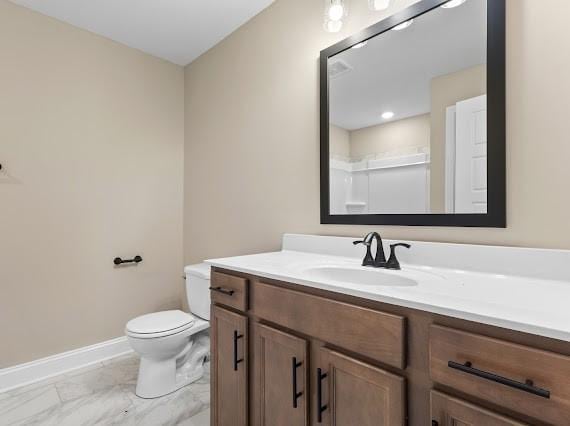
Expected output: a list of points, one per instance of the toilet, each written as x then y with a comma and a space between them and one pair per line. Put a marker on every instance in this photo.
173, 345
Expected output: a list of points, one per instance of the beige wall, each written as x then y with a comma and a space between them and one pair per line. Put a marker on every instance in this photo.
446, 91
399, 137
91, 139
252, 136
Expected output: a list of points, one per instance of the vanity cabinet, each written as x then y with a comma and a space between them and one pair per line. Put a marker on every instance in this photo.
229, 339
286, 354
448, 411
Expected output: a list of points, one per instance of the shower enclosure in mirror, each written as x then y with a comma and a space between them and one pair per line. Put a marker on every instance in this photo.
413, 119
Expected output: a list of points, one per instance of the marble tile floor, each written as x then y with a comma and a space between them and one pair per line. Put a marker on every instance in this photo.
103, 394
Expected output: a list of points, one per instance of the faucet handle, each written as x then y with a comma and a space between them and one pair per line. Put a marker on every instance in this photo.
368, 259
393, 261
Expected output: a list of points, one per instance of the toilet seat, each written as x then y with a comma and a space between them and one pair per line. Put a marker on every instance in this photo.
159, 324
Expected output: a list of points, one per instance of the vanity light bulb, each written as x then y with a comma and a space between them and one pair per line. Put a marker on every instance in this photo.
333, 26
336, 12
403, 25
453, 3
379, 4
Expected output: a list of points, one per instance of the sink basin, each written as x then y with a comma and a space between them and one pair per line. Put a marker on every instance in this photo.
360, 276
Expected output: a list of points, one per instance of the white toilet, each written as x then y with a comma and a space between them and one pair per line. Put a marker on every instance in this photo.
172, 345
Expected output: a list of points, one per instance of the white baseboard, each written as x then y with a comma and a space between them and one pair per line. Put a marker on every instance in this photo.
44, 368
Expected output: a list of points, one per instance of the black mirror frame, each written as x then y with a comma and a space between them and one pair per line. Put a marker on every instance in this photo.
496, 126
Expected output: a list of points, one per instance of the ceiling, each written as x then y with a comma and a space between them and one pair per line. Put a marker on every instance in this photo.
394, 70
176, 30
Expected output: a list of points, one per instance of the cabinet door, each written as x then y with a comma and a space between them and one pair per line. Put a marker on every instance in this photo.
352, 393
447, 411
280, 383
229, 368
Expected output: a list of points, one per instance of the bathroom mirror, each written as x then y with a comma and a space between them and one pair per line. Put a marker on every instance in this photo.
413, 119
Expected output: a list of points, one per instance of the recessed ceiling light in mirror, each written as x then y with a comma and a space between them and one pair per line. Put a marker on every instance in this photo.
453, 3
387, 115
403, 25
359, 45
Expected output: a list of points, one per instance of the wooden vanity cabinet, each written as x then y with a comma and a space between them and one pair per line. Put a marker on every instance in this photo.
287, 370
288, 355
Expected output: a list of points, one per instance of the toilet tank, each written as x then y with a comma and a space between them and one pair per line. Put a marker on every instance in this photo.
198, 289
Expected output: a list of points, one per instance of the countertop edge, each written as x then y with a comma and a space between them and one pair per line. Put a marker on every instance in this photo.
434, 309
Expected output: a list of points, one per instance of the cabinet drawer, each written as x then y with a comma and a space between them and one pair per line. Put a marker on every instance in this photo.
371, 333
448, 411
229, 290
523, 379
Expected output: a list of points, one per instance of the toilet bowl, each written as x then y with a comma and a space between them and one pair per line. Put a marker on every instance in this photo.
173, 345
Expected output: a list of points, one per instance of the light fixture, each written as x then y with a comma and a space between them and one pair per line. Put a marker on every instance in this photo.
377, 5
453, 3
360, 45
403, 25
333, 26
335, 11
387, 115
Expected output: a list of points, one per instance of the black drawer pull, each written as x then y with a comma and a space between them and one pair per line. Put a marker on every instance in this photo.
320, 407
223, 290
236, 360
528, 386
294, 366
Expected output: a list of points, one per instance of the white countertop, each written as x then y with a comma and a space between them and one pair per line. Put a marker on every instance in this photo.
528, 304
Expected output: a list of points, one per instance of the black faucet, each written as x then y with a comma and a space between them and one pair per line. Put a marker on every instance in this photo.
379, 261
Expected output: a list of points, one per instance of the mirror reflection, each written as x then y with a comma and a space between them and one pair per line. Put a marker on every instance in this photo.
408, 117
